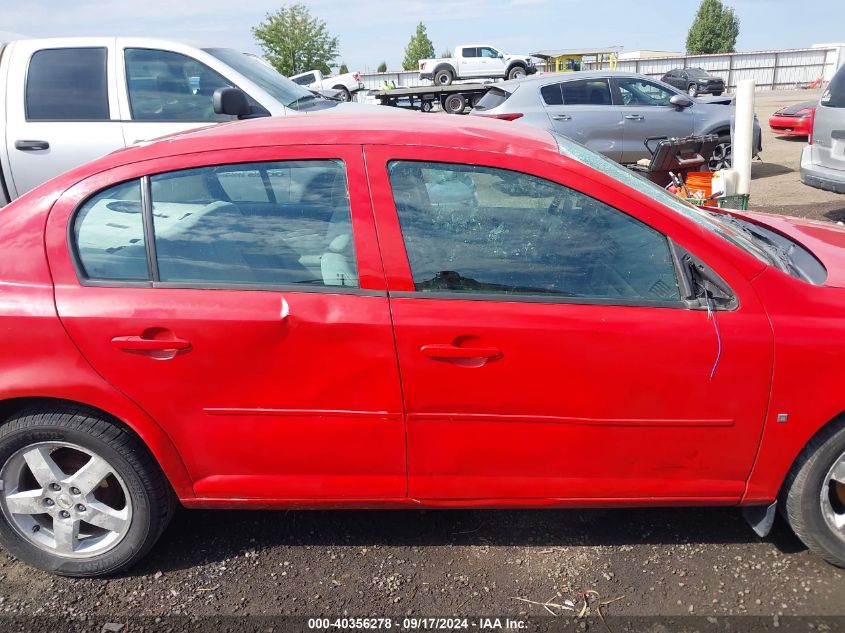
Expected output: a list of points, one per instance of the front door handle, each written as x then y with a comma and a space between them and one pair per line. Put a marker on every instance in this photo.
142, 344
562, 117
453, 352
31, 146
635, 117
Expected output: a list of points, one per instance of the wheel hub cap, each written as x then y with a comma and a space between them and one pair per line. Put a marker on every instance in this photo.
833, 497
65, 499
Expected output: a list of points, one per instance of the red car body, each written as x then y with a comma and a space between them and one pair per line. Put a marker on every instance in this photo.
794, 120
383, 397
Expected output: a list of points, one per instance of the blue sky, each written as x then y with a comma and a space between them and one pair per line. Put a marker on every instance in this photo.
371, 31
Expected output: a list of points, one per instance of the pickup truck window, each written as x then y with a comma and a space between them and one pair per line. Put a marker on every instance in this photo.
489, 52
469, 52
304, 80
167, 86
67, 84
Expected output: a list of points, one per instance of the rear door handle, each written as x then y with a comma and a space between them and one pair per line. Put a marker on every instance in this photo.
31, 146
141, 344
635, 117
453, 352
562, 117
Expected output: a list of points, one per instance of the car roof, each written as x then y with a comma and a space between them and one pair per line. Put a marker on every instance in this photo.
391, 127
544, 78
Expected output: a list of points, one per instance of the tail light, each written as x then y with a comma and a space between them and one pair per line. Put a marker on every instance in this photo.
512, 116
422, 65
356, 76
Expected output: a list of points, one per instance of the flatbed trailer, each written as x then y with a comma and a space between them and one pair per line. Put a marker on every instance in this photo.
454, 99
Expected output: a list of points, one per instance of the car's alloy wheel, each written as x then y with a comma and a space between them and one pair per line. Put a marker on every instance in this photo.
65, 499
721, 156
343, 93
81, 495
443, 78
832, 497
692, 91
517, 73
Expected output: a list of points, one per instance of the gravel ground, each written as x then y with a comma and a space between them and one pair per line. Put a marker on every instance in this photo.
667, 562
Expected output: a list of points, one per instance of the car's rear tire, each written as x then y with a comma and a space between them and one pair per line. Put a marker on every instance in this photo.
517, 72
343, 93
454, 104
722, 154
426, 106
67, 465
444, 77
813, 496
692, 90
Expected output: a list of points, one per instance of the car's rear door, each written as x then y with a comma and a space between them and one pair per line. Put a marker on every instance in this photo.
828, 148
62, 110
256, 332
647, 113
582, 109
544, 348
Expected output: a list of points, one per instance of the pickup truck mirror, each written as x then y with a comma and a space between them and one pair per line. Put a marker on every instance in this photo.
680, 101
231, 101
501, 55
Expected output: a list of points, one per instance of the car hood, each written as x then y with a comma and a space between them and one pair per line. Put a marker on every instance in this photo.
824, 239
795, 109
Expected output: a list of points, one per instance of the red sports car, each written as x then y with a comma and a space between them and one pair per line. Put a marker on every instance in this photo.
221, 319
794, 120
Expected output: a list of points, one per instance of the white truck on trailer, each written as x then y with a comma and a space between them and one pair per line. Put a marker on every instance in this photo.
66, 101
346, 84
476, 61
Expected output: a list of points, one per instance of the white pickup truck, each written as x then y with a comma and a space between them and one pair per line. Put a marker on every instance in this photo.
346, 84
66, 101
472, 61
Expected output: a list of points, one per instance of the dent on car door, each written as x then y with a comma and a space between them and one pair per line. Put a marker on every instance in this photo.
544, 345
583, 111
256, 332
64, 117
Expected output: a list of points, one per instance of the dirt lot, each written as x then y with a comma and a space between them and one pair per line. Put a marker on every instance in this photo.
668, 562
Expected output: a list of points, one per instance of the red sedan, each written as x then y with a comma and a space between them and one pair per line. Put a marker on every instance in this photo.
794, 120
221, 319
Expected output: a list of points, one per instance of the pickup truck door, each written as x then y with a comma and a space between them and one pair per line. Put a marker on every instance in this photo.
61, 109
469, 62
165, 92
492, 65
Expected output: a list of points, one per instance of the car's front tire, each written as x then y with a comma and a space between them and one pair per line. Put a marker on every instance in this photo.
813, 495
692, 91
722, 156
517, 72
81, 495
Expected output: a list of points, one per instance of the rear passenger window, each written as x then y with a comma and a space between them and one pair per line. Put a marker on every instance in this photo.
482, 230
109, 235
552, 94
67, 84
255, 223
586, 92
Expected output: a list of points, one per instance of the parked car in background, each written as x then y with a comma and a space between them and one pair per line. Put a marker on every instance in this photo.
612, 112
476, 61
66, 101
695, 81
823, 159
222, 318
346, 84
794, 120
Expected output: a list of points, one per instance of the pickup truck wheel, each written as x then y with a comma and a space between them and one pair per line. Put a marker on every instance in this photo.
444, 77
343, 93
426, 106
455, 104
517, 72
692, 91
81, 495
813, 495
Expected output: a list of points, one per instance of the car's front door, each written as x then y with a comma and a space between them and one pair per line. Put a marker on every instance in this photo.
582, 110
239, 299
544, 346
62, 112
647, 113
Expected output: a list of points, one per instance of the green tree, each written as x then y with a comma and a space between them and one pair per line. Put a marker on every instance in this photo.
382, 67
295, 41
420, 47
343, 68
714, 29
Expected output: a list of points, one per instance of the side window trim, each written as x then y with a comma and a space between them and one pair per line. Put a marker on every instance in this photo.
149, 230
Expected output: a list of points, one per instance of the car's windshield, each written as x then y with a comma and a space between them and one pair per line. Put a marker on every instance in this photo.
700, 216
696, 72
280, 88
